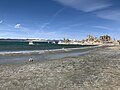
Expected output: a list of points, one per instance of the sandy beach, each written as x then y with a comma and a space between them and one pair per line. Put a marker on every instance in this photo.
96, 70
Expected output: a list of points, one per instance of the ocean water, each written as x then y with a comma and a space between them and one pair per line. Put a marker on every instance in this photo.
17, 52
24, 46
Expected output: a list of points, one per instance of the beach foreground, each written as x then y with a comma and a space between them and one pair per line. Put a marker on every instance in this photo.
96, 70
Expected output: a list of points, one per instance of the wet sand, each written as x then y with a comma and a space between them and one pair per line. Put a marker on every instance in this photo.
96, 70
40, 55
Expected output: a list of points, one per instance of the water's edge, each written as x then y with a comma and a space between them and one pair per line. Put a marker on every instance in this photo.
39, 55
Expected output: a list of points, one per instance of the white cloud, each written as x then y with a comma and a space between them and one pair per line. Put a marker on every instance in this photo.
102, 27
18, 26
86, 5
23, 29
1, 21
109, 14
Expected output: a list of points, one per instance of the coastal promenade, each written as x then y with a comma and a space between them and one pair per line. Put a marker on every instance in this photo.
96, 70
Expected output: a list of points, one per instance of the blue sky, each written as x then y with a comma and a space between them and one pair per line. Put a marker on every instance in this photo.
57, 19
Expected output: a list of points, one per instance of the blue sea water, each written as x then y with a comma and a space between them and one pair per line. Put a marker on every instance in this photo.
24, 46
17, 52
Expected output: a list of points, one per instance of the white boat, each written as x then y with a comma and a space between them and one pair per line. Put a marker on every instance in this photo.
31, 43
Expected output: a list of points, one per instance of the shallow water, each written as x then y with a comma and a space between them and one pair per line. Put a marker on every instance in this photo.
17, 52
24, 46
51, 55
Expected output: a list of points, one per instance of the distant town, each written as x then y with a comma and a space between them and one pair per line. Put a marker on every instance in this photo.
89, 40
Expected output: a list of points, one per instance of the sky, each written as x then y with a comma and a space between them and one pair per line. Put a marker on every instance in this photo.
58, 19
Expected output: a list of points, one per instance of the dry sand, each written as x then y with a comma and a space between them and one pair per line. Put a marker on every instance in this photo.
97, 70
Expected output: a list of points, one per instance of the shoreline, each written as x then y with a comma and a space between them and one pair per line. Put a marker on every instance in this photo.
44, 51
98, 70
10, 58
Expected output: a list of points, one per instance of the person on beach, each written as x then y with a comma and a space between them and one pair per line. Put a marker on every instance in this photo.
31, 59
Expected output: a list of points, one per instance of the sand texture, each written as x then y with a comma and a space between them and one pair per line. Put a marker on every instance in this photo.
97, 70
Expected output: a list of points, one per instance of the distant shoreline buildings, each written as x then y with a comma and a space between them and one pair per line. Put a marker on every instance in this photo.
91, 40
